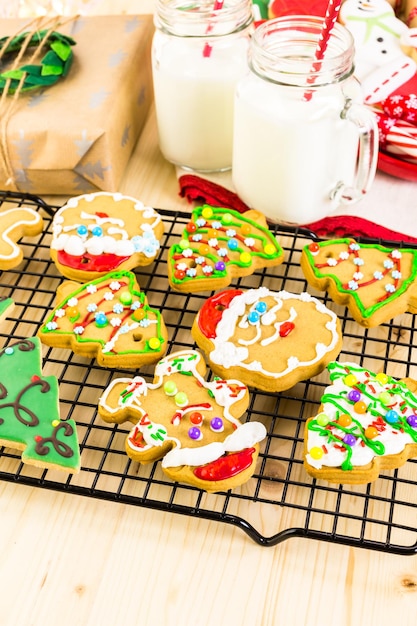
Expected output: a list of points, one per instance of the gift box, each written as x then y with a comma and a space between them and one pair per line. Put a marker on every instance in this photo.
76, 136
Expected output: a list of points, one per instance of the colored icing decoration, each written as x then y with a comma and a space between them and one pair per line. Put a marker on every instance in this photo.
221, 245
87, 321
29, 410
96, 233
202, 442
53, 66
357, 445
15, 223
271, 339
384, 287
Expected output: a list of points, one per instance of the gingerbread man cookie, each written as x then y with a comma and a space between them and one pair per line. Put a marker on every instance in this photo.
100, 232
108, 318
16, 223
376, 283
29, 411
191, 424
367, 423
269, 340
218, 245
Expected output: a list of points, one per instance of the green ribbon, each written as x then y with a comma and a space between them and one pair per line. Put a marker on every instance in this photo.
53, 66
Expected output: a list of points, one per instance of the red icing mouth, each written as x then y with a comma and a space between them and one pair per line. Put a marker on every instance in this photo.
212, 311
226, 466
90, 262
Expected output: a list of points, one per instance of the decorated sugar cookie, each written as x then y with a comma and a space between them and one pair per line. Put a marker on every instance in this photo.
192, 425
269, 340
29, 411
376, 283
108, 318
100, 232
366, 423
381, 64
16, 223
218, 245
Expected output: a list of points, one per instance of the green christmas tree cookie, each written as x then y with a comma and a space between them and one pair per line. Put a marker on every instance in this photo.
376, 283
29, 411
218, 245
108, 318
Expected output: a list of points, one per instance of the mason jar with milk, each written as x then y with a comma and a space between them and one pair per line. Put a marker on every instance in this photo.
199, 53
304, 144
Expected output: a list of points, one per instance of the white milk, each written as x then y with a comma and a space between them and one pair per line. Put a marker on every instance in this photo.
289, 154
303, 141
194, 100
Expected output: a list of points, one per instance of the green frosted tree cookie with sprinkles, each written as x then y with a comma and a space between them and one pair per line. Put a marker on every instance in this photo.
376, 283
219, 245
29, 410
366, 423
108, 318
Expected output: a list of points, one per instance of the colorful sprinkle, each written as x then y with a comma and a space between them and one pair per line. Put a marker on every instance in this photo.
154, 343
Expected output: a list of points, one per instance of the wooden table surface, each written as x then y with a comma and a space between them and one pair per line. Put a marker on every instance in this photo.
69, 559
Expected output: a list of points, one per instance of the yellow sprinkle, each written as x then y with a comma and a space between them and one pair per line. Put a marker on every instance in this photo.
207, 212
246, 257
154, 343
55, 423
269, 249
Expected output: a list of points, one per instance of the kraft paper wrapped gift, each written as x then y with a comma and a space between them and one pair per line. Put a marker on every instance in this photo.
77, 136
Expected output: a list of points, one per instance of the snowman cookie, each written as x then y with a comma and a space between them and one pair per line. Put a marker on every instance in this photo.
190, 424
381, 64
100, 232
269, 340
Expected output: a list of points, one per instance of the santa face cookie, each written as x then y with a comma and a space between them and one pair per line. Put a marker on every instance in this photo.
218, 245
191, 424
100, 232
367, 423
29, 411
108, 318
269, 340
16, 223
375, 283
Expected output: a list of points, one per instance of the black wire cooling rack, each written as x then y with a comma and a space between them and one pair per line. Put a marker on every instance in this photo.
280, 501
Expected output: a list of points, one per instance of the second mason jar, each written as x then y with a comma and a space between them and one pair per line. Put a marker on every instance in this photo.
304, 144
199, 53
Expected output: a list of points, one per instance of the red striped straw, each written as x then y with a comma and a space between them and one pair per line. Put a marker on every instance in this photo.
332, 13
218, 4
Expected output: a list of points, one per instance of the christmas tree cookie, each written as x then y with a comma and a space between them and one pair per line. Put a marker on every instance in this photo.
218, 245
108, 318
191, 424
29, 411
375, 283
366, 423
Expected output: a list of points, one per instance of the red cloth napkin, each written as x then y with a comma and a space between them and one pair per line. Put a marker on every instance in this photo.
197, 189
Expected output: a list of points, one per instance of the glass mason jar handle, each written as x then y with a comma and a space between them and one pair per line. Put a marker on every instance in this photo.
366, 123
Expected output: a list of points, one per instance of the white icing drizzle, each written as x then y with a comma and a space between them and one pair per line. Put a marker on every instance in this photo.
32, 218
227, 354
